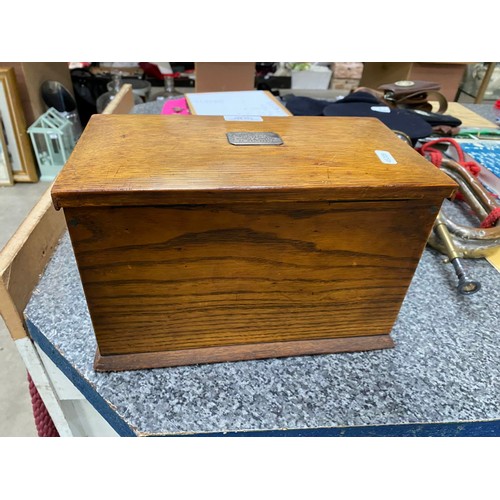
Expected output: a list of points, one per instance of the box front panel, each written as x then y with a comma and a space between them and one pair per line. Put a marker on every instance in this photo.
187, 277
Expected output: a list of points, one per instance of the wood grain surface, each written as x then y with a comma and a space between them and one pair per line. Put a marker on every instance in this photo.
190, 248
139, 361
198, 276
126, 160
23, 260
122, 103
467, 116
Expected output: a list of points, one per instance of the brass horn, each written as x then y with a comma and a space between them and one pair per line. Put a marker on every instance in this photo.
458, 241
469, 241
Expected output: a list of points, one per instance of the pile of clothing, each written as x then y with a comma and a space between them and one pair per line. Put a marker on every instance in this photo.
414, 123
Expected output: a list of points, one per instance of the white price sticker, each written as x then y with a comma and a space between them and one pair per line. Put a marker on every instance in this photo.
243, 118
381, 109
385, 157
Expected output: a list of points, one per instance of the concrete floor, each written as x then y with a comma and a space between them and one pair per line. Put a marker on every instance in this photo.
16, 415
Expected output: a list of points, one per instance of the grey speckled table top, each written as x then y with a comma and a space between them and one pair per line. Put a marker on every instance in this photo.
445, 366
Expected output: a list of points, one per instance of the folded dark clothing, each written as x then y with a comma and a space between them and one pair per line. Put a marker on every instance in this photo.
437, 119
363, 104
305, 106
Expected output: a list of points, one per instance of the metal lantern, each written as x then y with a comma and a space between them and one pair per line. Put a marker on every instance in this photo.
53, 140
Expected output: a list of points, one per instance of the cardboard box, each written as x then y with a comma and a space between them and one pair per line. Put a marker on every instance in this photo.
347, 70
224, 76
317, 79
343, 84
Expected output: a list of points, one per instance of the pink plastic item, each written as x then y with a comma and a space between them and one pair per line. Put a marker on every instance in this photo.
175, 107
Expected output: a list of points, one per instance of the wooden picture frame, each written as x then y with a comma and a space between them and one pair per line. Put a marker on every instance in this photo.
14, 127
5, 169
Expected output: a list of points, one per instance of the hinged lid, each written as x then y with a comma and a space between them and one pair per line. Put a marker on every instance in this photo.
127, 160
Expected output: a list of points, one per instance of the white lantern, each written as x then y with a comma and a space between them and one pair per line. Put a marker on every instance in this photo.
53, 140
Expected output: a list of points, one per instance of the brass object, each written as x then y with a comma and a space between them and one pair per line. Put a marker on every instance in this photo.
466, 285
404, 137
467, 241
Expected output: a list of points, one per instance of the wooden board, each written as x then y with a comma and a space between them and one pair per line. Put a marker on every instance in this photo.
122, 103
23, 260
26, 170
129, 160
140, 361
30, 76
465, 115
6, 178
447, 74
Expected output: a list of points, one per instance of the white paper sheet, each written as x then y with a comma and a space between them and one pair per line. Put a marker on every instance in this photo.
250, 103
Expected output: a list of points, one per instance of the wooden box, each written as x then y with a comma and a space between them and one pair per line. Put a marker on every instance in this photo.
194, 250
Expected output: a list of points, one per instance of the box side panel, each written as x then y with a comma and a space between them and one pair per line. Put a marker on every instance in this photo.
187, 277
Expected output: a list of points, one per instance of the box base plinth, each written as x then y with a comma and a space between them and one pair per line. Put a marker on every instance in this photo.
163, 359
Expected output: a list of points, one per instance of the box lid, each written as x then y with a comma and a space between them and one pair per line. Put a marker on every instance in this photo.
127, 160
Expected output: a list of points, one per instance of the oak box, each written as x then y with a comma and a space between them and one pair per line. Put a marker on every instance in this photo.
192, 249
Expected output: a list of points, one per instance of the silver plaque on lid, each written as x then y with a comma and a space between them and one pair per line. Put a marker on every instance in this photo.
254, 138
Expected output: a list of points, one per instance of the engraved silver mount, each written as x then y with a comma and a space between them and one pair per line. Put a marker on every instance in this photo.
254, 138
